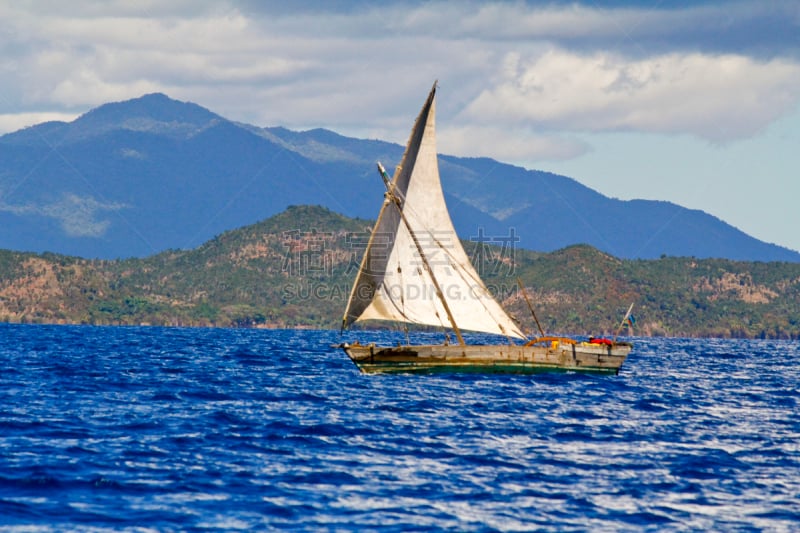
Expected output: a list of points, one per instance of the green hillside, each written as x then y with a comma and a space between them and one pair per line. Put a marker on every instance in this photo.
296, 268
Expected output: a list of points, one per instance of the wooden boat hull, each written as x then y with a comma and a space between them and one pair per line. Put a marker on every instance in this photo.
580, 357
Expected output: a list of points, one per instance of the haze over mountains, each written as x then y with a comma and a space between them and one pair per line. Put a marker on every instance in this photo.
137, 177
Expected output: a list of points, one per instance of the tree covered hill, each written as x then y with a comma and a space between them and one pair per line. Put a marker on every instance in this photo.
296, 269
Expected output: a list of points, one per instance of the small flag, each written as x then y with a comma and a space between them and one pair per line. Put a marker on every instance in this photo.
627, 319
383, 173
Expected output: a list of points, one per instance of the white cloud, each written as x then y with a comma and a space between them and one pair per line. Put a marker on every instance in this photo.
84, 87
500, 65
507, 144
719, 98
13, 122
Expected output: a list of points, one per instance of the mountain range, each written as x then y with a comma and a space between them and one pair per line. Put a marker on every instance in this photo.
135, 178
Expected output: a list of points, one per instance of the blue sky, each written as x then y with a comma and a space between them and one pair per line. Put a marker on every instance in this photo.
697, 103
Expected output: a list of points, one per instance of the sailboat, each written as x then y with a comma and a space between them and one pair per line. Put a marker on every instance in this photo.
415, 271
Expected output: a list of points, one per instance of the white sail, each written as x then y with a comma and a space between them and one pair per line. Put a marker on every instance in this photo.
394, 283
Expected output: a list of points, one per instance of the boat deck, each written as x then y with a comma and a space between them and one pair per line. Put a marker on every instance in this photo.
579, 357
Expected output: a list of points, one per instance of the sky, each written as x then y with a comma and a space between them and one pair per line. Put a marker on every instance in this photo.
693, 102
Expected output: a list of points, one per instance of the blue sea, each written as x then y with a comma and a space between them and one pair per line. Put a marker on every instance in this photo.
170, 429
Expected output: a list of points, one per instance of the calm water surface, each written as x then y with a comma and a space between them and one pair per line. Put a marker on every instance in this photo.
205, 429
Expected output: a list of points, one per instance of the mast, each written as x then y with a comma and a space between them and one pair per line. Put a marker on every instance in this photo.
396, 201
527, 301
